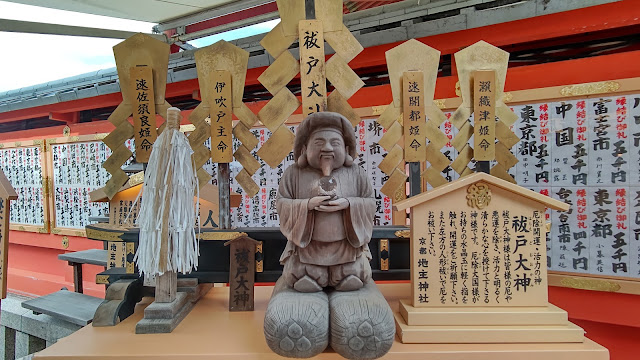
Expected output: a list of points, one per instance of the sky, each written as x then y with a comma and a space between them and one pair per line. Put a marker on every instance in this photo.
31, 59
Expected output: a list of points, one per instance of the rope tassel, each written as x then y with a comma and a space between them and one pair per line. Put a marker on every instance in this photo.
167, 240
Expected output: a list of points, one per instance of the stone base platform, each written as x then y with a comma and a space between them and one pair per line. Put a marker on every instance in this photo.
164, 317
485, 325
446, 316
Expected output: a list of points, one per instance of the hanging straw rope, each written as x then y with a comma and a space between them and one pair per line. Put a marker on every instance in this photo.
167, 240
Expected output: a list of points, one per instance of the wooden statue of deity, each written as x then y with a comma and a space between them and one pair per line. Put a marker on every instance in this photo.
326, 207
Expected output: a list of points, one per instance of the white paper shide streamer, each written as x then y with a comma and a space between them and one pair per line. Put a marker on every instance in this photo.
167, 240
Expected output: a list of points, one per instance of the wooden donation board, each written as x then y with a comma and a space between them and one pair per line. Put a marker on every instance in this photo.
77, 171
7, 193
260, 210
23, 163
144, 111
579, 144
478, 247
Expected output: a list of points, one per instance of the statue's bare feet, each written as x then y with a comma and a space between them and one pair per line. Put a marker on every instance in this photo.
362, 325
349, 283
307, 285
297, 324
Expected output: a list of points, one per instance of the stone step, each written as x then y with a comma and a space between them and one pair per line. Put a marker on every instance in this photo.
514, 315
66, 305
488, 334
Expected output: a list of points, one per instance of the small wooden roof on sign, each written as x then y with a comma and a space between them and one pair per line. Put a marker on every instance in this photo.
6, 190
477, 177
99, 195
242, 237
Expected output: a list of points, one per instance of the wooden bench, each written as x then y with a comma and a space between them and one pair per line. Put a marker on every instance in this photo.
66, 305
76, 259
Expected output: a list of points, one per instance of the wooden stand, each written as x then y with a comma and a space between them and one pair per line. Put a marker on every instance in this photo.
170, 306
169, 309
485, 325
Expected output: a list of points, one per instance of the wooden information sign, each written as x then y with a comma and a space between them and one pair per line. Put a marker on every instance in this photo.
477, 242
220, 114
484, 109
124, 210
144, 111
478, 246
7, 193
242, 272
414, 119
312, 69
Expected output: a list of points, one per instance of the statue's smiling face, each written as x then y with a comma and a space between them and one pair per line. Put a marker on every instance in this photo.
326, 150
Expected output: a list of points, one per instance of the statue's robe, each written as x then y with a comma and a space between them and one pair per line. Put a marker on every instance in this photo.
326, 238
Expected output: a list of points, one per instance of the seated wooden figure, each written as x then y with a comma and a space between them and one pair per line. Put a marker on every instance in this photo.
326, 209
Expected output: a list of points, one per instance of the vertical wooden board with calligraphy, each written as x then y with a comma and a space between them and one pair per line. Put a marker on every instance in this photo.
116, 254
144, 112
312, 69
242, 269
484, 109
220, 114
414, 118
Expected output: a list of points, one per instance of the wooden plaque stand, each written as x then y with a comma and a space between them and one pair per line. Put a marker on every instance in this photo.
478, 258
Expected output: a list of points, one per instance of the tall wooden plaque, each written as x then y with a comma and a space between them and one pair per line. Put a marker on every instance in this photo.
144, 111
414, 118
484, 109
220, 114
312, 70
